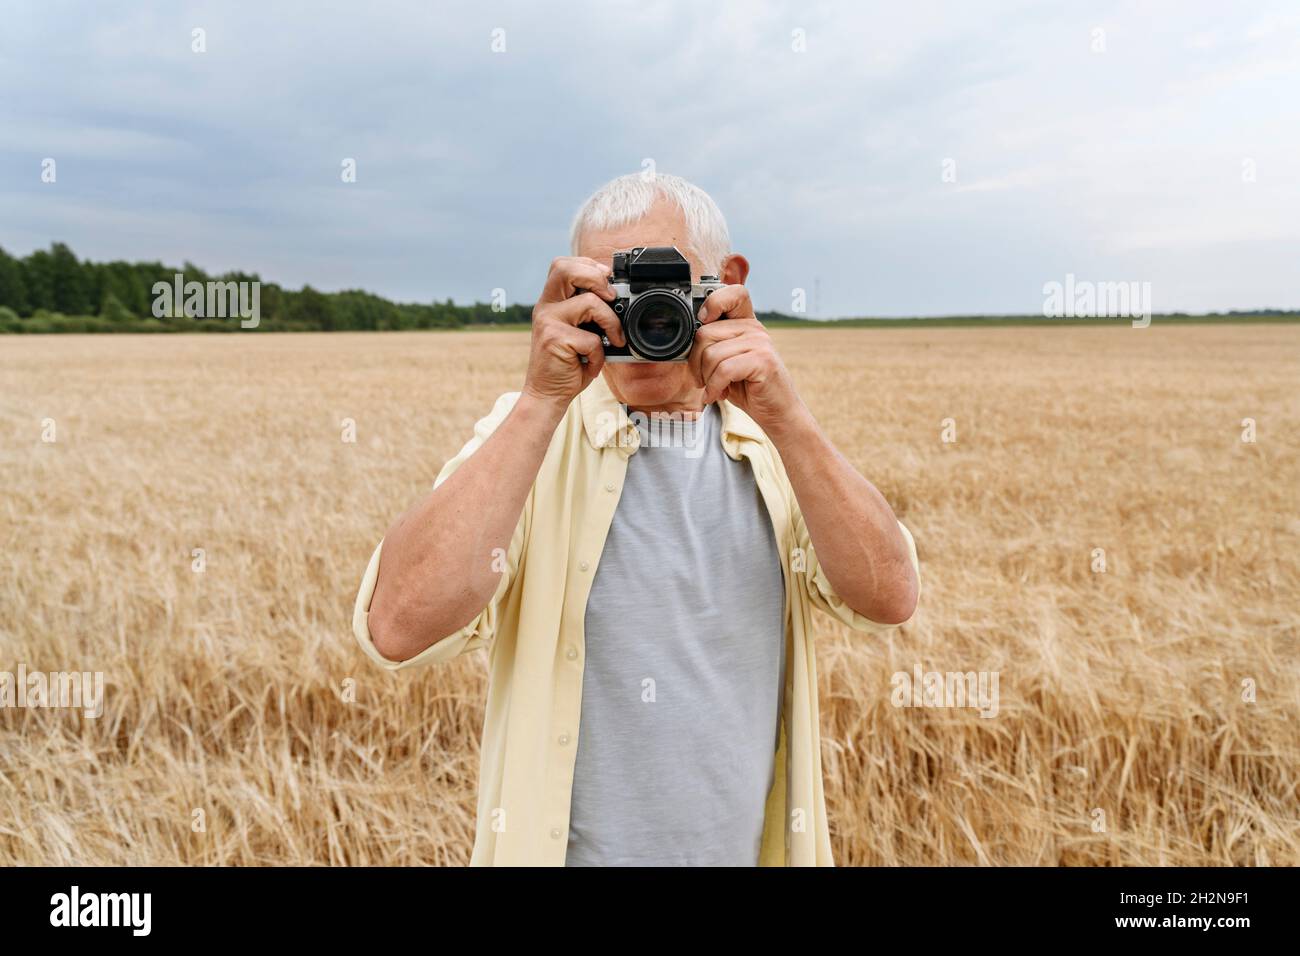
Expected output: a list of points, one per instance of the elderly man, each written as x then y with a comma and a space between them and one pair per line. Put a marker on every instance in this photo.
646, 604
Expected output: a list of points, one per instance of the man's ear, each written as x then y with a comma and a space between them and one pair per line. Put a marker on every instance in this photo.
735, 269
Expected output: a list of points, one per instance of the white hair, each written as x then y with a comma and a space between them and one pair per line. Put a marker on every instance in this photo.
623, 201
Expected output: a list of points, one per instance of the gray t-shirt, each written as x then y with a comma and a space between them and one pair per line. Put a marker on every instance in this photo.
685, 645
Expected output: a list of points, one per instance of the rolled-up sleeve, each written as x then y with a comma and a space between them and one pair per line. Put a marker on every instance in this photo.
480, 631
820, 592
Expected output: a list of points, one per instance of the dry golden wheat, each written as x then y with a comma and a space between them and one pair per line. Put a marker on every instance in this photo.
1120, 692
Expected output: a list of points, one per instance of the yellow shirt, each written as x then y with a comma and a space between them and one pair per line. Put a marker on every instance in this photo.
533, 630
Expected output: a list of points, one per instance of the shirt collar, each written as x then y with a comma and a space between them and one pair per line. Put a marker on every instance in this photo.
606, 422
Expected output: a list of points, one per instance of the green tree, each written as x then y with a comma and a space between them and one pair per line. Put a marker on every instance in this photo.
71, 283
13, 288
122, 279
272, 300
112, 309
311, 310
38, 276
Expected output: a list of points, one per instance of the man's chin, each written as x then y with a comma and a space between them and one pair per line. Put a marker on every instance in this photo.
647, 383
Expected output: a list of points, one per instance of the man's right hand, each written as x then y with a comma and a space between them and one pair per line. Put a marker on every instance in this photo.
564, 358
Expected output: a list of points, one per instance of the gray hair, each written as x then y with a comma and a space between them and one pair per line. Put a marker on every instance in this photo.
622, 201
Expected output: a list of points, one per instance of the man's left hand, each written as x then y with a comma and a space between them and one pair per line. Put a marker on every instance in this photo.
736, 360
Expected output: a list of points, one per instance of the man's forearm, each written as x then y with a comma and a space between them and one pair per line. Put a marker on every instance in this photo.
436, 572
853, 529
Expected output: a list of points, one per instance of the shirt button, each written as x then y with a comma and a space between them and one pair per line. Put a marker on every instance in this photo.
555, 833
564, 740
571, 653
584, 565
609, 487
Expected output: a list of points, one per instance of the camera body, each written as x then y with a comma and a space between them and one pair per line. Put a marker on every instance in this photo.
656, 303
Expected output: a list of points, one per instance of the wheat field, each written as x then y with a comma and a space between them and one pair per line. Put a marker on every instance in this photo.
1149, 713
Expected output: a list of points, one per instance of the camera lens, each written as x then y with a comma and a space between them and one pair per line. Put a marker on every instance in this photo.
659, 326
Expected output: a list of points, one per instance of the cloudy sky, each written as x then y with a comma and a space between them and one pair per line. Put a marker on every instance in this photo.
1153, 141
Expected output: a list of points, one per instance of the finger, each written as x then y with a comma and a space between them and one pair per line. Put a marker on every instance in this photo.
570, 274
587, 347
717, 331
567, 342
731, 301
711, 381
709, 335
592, 361
588, 307
564, 269
738, 368
717, 352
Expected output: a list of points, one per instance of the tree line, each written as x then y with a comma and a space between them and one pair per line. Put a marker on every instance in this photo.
52, 290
